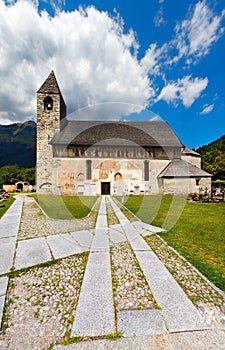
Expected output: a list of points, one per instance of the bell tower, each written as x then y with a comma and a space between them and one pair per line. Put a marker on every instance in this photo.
51, 118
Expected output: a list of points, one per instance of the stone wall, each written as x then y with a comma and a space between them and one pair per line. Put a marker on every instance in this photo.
48, 122
69, 176
192, 159
184, 186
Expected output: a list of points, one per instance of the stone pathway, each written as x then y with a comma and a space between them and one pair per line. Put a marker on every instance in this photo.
95, 314
95, 311
168, 294
9, 226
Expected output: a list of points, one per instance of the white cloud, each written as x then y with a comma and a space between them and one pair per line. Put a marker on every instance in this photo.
195, 35
150, 63
88, 50
156, 118
186, 89
159, 17
207, 109
95, 61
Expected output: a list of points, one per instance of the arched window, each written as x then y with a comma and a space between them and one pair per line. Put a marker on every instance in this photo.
48, 104
118, 177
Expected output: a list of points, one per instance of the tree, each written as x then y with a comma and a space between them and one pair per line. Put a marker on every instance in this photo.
28, 174
9, 174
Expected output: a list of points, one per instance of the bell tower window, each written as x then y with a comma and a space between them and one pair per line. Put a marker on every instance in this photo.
48, 104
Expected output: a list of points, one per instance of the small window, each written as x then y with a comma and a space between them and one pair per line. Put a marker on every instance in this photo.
80, 177
88, 164
48, 104
197, 182
146, 171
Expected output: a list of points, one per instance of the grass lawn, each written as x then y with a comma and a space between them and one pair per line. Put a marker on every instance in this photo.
196, 230
67, 208
4, 205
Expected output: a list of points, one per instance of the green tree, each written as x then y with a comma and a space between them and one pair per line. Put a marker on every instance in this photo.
9, 174
28, 174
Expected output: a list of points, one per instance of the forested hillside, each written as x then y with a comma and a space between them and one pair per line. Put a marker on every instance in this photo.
213, 158
18, 144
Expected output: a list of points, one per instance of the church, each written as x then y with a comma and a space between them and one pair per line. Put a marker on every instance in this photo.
109, 157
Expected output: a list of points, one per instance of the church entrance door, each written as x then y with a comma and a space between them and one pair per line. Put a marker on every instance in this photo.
105, 187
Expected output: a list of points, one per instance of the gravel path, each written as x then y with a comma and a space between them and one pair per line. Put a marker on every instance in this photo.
130, 288
209, 302
35, 224
41, 301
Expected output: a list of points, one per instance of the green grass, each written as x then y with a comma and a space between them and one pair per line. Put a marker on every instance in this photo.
196, 230
66, 207
4, 205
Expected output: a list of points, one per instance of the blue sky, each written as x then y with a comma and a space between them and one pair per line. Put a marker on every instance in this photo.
142, 60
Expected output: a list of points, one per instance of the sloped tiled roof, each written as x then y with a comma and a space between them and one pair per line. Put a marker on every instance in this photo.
50, 86
188, 151
181, 168
88, 133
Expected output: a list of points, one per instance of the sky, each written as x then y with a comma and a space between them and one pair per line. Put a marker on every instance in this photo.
142, 60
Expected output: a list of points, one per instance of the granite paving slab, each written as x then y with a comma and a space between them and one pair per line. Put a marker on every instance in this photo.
3, 285
7, 250
179, 312
132, 343
15, 208
204, 340
9, 229
64, 245
83, 238
140, 322
101, 221
100, 240
146, 229
117, 235
102, 207
2, 303
199, 340
32, 252
95, 311
117, 227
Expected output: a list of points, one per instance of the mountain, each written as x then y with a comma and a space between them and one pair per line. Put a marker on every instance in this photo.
213, 158
18, 144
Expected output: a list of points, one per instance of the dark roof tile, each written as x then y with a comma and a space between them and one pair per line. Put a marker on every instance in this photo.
88, 133
181, 168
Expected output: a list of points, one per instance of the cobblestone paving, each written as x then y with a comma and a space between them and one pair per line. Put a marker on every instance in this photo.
35, 224
40, 302
131, 290
208, 301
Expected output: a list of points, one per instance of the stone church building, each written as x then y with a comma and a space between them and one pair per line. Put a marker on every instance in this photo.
109, 157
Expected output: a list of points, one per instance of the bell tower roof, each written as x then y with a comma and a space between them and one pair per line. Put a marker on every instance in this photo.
50, 86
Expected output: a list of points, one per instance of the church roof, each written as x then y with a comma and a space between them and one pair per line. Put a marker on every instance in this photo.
88, 133
50, 86
188, 151
181, 168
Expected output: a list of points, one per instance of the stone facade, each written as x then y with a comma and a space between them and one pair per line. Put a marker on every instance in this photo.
121, 158
51, 113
